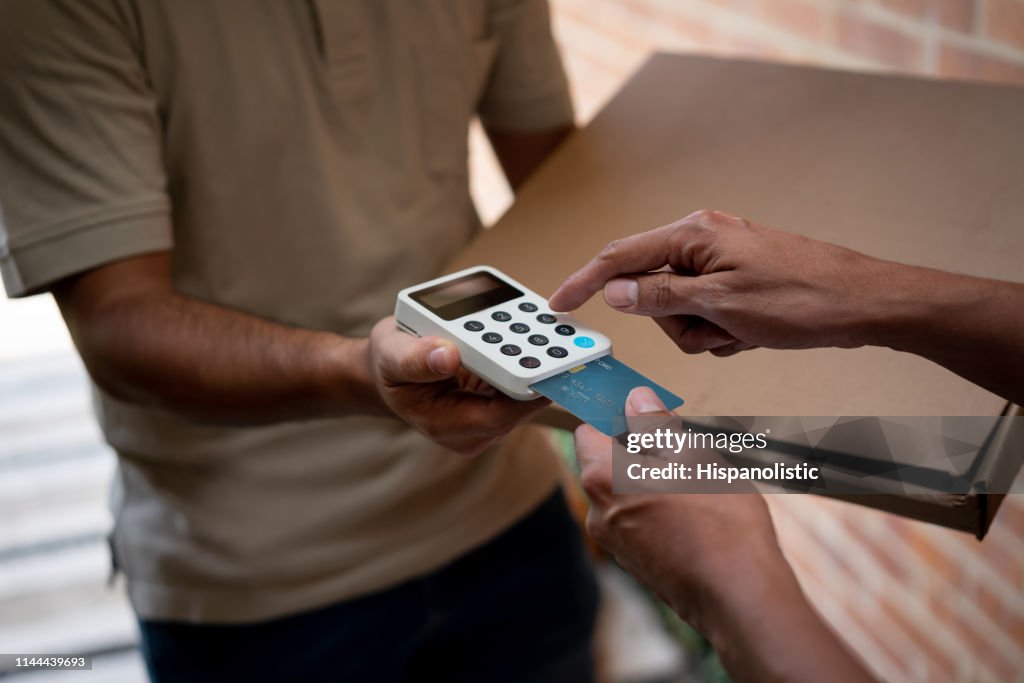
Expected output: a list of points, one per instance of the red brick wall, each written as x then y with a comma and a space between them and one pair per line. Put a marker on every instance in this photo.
970, 39
917, 602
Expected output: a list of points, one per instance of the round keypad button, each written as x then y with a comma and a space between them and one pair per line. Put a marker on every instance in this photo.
557, 352
519, 328
492, 337
583, 342
474, 325
546, 318
511, 350
527, 307
529, 362
501, 316
565, 330
537, 339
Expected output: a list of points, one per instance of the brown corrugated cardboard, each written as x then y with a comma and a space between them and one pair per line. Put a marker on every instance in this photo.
923, 172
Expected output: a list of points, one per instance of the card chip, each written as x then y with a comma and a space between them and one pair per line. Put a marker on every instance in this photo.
600, 401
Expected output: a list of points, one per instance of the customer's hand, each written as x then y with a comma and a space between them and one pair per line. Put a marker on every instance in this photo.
693, 550
731, 285
715, 560
421, 381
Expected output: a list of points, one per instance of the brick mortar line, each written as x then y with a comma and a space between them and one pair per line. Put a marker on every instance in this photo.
741, 25
797, 50
574, 22
835, 55
947, 639
912, 28
678, 41
594, 57
832, 608
610, 79
980, 14
588, 89
981, 45
857, 573
1005, 588
894, 631
909, 27
1013, 651
920, 614
1007, 647
838, 59
863, 643
977, 39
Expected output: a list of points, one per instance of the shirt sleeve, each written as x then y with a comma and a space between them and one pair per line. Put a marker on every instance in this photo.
82, 181
527, 90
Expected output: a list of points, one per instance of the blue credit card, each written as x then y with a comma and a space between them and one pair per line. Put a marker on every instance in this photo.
596, 393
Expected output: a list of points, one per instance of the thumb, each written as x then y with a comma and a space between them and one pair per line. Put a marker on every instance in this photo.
645, 412
642, 401
408, 359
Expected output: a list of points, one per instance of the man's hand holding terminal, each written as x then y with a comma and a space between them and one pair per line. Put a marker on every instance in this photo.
147, 344
421, 381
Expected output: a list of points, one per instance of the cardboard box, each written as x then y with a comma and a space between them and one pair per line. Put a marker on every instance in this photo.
911, 170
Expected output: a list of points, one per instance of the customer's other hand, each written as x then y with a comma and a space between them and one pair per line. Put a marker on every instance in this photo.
694, 550
715, 560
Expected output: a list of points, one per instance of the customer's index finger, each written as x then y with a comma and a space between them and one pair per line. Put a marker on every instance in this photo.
634, 254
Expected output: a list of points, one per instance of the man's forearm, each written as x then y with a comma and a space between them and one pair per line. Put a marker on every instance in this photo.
214, 364
972, 326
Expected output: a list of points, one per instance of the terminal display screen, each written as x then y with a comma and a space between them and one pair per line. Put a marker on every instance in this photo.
465, 295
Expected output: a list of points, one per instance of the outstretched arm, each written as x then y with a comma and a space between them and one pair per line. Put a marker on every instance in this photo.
145, 343
715, 560
728, 285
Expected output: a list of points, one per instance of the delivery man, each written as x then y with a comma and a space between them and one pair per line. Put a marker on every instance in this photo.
224, 198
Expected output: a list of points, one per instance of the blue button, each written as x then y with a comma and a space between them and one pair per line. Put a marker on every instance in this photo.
583, 342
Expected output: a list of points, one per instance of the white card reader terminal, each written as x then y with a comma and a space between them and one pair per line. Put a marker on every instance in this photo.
505, 333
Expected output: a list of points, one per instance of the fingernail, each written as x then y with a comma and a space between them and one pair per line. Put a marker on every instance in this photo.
621, 292
438, 360
644, 401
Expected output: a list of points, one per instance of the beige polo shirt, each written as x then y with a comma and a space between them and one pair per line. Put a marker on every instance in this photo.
304, 160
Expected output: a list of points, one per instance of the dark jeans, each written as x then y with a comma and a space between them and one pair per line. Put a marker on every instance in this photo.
520, 608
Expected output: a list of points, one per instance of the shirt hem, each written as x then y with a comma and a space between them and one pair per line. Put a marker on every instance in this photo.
156, 602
